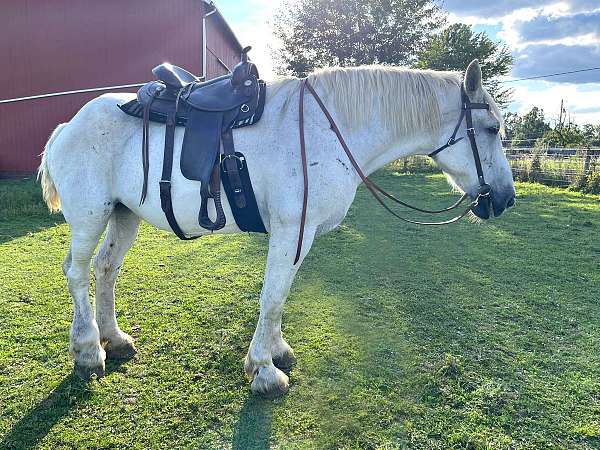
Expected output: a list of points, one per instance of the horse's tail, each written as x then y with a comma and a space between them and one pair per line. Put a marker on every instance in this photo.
48, 188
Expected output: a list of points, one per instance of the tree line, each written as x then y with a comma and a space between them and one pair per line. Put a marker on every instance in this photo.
533, 130
414, 33
321, 33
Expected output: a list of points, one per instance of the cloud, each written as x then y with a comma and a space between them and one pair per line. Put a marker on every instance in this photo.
534, 60
546, 36
587, 110
543, 28
494, 10
584, 107
488, 9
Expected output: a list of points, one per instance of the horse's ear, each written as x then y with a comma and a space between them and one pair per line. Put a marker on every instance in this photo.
473, 77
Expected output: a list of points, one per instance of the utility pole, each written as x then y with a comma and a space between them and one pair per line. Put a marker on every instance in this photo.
559, 127
560, 120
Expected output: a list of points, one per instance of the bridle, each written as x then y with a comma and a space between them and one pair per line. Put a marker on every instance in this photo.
483, 193
467, 115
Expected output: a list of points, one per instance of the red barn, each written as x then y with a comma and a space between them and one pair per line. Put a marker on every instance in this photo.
58, 46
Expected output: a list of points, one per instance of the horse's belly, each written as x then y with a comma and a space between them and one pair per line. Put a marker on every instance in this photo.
185, 194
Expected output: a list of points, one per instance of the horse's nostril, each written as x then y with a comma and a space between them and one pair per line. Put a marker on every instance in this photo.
511, 202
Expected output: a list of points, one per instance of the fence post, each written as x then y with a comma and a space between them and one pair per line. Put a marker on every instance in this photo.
586, 164
594, 161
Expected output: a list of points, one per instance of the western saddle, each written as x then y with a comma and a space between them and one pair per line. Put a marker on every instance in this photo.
209, 111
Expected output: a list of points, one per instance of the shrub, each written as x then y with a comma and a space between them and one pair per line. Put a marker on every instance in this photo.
534, 174
415, 164
589, 184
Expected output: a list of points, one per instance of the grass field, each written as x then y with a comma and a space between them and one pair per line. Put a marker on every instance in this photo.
470, 336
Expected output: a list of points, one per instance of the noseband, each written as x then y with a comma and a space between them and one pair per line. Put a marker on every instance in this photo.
465, 115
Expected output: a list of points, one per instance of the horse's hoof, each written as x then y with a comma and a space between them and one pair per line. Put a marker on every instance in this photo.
270, 381
86, 373
124, 351
285, 361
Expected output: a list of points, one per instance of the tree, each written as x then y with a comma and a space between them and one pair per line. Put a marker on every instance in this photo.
456, 46
525, 131
591, 134
532, 130
569, 136
320, 33
511, 123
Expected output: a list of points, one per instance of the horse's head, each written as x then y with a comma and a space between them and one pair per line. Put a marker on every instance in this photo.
459, 161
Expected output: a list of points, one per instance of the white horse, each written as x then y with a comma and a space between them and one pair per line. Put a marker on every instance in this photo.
91, 169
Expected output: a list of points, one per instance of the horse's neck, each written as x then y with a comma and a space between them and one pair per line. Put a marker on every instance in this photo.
373, 146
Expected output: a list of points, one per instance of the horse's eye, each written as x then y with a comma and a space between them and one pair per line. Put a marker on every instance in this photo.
493, 130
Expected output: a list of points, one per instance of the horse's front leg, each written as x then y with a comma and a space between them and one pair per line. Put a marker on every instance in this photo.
282, 353
279, 275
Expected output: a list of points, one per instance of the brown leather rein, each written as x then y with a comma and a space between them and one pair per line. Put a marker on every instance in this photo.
373, 188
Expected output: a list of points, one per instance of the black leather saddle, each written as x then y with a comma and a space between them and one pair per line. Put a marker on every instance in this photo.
209, 111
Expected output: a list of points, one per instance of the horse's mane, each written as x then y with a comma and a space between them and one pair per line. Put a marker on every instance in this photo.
407, 101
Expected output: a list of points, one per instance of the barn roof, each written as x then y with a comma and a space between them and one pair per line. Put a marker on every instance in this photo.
214, 11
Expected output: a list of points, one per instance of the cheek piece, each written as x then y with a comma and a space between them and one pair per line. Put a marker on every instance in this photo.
485, 190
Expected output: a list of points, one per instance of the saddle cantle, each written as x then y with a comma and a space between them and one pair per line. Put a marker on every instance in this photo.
173, 76
208, 111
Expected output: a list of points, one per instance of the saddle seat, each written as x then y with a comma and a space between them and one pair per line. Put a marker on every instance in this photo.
240, 91
174, 76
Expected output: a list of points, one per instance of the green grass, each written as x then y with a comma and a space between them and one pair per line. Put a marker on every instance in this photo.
470, 336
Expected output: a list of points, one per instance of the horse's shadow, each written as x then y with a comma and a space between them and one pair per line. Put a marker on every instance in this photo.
68, 395
254, 425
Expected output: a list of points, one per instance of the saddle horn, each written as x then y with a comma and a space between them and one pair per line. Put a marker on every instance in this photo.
243, 69
245, 52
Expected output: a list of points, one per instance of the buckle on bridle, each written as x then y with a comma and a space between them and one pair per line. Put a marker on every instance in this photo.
484, 190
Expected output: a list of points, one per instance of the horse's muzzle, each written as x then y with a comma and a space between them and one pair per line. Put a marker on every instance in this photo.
494, 204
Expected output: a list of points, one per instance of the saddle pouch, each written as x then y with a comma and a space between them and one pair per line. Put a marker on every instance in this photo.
247, 218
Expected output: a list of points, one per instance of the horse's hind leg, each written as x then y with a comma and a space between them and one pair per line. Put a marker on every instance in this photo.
85, 338
122, 230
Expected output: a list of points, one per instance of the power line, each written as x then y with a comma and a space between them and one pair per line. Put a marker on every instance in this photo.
552, 75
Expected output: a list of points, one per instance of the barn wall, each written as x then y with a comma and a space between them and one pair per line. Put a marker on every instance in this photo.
64, 45
222, 44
